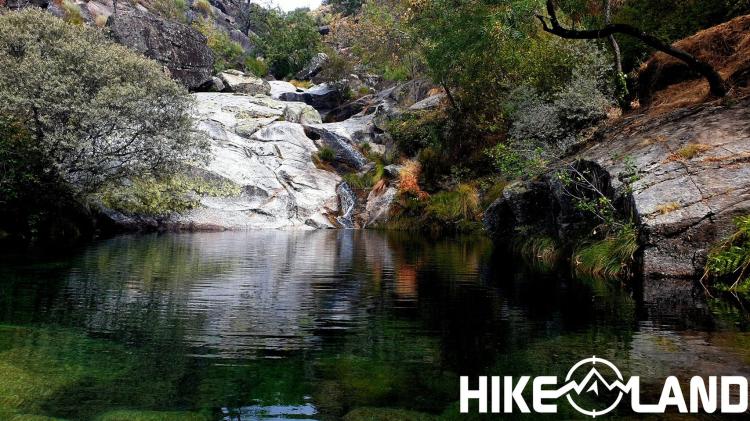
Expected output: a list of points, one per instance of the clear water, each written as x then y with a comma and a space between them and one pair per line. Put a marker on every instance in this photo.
317, 325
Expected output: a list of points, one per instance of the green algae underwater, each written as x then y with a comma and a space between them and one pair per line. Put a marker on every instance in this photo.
321, 325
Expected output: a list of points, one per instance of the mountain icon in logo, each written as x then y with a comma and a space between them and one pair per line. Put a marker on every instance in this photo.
593, 382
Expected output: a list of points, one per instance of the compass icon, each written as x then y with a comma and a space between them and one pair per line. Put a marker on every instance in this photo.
594, 382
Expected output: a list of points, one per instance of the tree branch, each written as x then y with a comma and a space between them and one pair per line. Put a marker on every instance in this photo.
716, 82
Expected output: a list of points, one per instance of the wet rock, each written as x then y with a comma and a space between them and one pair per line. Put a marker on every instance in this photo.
378, 206
239, 82
180, 48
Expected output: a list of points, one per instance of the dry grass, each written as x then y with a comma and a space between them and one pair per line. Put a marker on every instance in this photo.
666, 208
725, 46
301, 84
689, 151
409, 179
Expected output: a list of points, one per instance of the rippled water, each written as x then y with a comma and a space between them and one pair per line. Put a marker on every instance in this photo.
319, 324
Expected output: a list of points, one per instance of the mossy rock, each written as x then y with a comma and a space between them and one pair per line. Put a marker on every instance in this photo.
386, 414
135, 415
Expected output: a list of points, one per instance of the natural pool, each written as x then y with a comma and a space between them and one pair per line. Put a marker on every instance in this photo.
319, 325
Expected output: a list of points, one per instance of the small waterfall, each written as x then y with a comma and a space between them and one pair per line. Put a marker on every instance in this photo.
347, 203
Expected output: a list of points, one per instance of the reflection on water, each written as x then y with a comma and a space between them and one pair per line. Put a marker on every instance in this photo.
318, 324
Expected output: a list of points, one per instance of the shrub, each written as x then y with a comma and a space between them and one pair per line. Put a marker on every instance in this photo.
456, 205
367, 180
227, 53
162, 196
414, 131
541, 252
609, 258
203, 6
170, 9
72, 13
96, 110
289, 42
728, 261
255, 66
326, 154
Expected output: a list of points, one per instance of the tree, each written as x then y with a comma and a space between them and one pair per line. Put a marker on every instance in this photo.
95, 111
552, 25
290, 42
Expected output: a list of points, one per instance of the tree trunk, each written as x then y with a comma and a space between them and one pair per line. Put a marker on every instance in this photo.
716, 82
612, 40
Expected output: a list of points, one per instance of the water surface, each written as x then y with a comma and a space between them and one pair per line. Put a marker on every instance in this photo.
316, 325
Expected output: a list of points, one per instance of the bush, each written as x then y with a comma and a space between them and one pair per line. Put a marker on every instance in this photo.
203, 6
79, 112
95, 109
728, 261
289, 42
227, 53
456, 205
72, 13
170, 9
162, 196
610, 258
255, 66
326, 154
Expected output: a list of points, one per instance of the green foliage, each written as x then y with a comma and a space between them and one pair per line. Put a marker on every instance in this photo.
346, 7
541, 252
203, 6
72, 13
96, 109
516, 160
456, 205
289, 42
170, 9
161, 196
255, 66
671, 20
728, 261
326, 154
609, 258
366, 181
227, 53
415, 131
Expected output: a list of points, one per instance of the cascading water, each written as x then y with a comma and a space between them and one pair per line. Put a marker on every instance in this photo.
347, 203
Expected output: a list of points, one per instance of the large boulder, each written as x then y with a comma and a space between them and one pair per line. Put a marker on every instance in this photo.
313, 67
689, 173
239, 82
180, 48
323, 97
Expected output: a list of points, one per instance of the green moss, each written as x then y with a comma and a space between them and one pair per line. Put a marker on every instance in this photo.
227, 53
161, 196
609, 258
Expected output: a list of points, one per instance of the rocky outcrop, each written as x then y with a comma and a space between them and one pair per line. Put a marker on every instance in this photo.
180, 48
323, 97
313, 67
689, 174
281, 187
237, 81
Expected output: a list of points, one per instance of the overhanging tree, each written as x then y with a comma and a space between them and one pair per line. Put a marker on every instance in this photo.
551, 24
